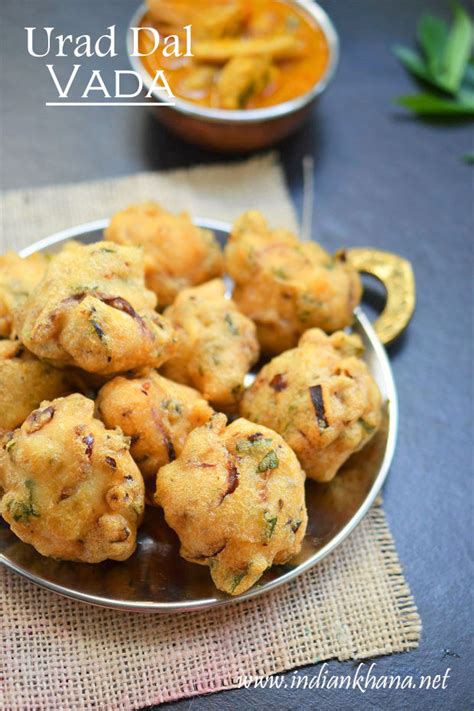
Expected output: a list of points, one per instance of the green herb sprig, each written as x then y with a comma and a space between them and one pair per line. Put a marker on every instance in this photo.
444, 63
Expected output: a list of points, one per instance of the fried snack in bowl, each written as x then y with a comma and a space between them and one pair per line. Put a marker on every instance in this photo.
17, 279
217, 345
92, 310
235, 497
25, 382
287, 286
177, 253
71, 488
321, 398
156, 413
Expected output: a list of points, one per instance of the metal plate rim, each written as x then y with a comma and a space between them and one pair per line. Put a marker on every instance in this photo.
173, 607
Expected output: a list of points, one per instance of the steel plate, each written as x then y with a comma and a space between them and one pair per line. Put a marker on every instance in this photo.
155, 578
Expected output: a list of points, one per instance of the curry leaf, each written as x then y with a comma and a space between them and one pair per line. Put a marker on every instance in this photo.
465, 95
271, 522
431, 105
432, 35
445, 64
469, 74
457, 49
413, 62
236, 580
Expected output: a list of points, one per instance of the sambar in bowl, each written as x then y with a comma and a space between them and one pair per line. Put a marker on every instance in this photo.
256, 69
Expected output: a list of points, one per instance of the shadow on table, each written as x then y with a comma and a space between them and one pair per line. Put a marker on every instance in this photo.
162, 150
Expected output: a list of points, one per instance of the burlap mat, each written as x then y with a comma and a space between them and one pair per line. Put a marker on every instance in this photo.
59, 654
219, 192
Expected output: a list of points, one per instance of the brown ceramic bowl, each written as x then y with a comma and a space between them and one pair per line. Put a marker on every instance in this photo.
241, 131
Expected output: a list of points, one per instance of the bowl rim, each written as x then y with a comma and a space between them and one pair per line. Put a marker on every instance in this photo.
227, 116
386, 375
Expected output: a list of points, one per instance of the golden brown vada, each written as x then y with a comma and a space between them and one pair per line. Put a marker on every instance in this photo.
18, 277
156, 413
177, 253
287, 286
25, 382
92, 310
321, 398
235, 497
216, 344
71, 488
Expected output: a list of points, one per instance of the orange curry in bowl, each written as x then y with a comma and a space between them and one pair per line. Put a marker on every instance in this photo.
248, 54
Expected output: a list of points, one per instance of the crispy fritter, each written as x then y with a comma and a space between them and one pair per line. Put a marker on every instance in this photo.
25, 382
216, 346
321, 398
286, 286
92, 310
18, 277
177, 253
156, 413
72, 489
235, 497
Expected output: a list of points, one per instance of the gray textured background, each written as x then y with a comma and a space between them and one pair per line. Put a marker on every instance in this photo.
381, 179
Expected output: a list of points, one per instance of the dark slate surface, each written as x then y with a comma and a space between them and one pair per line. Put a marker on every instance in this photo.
381, 179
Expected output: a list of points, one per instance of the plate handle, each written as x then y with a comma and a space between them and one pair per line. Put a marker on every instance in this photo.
396, 274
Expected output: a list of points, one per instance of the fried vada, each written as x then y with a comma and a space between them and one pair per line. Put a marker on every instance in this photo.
18, 277
216, 344
92, 310
25, 382
156, 413
321, 398
70, 487
287, 286
235, 497
177, 253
